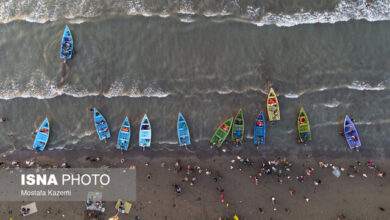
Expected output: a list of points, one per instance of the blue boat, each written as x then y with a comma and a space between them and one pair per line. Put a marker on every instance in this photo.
145, 133
351, 134
101, 125
182, 131
124, 135
66, 45
259, 132
42, 136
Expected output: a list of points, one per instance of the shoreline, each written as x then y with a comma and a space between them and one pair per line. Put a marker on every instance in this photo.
179, 152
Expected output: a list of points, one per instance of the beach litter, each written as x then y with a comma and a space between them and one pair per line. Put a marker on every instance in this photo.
336, 172
28, 209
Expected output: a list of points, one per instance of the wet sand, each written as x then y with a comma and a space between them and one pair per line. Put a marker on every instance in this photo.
356, 198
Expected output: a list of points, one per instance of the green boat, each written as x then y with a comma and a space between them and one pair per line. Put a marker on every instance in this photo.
221, 133
238, 128
304, 133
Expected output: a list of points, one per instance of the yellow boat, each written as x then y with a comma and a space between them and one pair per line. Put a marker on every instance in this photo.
273, 106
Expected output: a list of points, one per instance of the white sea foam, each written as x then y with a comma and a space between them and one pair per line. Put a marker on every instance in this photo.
119, 89
187, 20
40, 87
224, 91
211, 14
292, 95
366, 86
186, 8
344, 11
333, 104
164, 14
41, 11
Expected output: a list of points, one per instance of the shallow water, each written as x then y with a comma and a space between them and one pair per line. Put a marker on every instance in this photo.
128, 63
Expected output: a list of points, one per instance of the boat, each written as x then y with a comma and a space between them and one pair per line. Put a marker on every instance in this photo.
273, 106
221, 133
259, 131
42, 136
124, 135
182, 131
66, 45
101, 125
304, 133
238, 128
145, 133
351, 134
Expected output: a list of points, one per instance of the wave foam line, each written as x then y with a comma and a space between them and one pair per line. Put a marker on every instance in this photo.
344, 11
356, 85
41, 11
44, 89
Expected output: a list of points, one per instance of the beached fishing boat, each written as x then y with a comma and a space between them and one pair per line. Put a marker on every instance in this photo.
183, 132
351, 134
238, 128
66, 45
124, 135
101, 125
221, 133
304, 133
42, 136
259, 131
273, 106
145, 133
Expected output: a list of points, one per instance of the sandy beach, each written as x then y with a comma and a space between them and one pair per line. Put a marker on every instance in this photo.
356, 198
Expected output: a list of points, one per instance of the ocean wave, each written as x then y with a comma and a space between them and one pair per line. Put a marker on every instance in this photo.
77, 11
292, 95
119, 89
40, 87
356, 85
344, 11
378, 121
227, 91
187, 20
332, 104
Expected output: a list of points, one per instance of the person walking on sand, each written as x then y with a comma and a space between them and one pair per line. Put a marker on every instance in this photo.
177, 188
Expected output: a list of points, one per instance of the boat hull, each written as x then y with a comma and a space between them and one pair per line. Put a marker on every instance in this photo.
351, 134
124, 135
145, 133
42, 136
183, 132
101, 125
221, 133
66, 44
304, 133
238, 127
259, 131
273, 106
